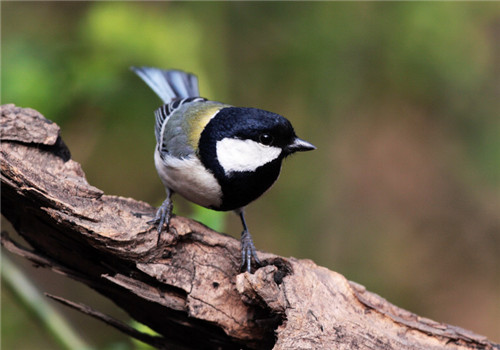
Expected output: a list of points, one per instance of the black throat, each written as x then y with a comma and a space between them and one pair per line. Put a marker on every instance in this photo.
241, 188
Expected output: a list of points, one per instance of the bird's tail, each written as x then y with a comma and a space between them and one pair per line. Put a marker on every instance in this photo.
169, 84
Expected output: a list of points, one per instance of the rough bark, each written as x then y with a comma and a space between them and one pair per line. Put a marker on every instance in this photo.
189, 288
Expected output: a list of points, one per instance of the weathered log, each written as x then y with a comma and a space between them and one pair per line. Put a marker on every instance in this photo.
189, 288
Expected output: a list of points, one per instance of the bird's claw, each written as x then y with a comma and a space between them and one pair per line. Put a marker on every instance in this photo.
248, 251
162, 217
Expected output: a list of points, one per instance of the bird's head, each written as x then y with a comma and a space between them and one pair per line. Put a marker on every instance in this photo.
244, 139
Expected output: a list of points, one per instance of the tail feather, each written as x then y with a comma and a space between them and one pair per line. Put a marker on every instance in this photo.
169, 84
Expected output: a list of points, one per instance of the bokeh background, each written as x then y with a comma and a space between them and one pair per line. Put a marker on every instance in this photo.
401, 99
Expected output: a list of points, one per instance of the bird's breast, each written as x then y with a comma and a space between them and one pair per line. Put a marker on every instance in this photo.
189, 178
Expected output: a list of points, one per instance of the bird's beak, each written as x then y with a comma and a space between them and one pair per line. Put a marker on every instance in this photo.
299, 145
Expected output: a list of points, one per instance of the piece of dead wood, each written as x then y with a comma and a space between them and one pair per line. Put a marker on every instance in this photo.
189, 289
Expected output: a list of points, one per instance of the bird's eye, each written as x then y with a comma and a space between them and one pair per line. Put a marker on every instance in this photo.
266, 139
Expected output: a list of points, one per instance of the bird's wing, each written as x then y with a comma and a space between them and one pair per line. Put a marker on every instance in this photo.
178, 132
163, 114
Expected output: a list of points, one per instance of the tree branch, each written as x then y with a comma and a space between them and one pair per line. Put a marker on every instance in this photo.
190, 284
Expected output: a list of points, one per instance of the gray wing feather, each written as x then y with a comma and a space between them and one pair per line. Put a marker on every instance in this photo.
163, 114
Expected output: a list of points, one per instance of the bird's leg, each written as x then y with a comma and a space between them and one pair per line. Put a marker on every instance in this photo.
163, 214
247, 247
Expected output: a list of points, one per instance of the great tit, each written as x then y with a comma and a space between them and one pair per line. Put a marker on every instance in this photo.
213, 154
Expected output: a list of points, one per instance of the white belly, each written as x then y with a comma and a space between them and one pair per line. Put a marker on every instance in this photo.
190, 179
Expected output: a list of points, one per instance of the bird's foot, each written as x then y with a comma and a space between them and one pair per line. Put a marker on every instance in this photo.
248, 251
163, 216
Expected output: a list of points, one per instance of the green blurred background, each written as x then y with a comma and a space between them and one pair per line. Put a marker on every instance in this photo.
401, 99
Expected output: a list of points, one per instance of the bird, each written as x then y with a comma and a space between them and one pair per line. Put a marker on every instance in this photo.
214, 154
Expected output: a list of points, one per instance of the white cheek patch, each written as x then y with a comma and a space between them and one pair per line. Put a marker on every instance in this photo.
244, 155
